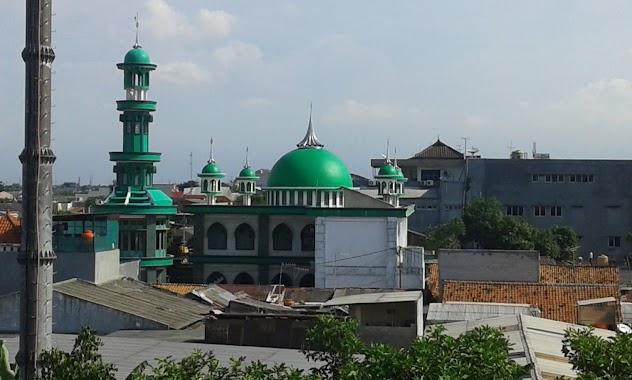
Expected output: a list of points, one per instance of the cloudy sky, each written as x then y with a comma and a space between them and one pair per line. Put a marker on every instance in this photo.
244, 72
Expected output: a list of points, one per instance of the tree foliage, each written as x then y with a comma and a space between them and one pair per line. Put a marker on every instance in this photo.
485, 226
479, 354
595, 358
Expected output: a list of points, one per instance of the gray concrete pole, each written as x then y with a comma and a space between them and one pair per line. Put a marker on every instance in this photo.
36, 251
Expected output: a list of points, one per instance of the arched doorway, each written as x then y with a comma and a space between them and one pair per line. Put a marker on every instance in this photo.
244, 237
216, 278
308, 238
282, 238
281, 278
307, 281
244, 278
216, 236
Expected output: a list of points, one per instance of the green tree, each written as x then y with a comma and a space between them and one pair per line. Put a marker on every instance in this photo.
566, 239
483, 218
82, 363
595, 358
447, 236
514, 233
334, 342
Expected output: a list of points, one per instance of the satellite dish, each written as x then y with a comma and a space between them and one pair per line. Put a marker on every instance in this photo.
624, 329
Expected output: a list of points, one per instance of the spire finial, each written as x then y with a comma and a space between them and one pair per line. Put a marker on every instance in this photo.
310, 140
247, 165
136, 45
211, 159
388, 157
395, 158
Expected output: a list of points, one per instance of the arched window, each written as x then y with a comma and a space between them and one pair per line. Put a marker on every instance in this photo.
216, 236
308, 238
242, 187
216, 278
204, 186
282, 238
282, 279
307, 281
244, 278
244, 237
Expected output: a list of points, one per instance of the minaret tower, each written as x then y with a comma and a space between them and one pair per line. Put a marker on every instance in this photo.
247, 182
390, 181
143, 208
36, 254
211, 178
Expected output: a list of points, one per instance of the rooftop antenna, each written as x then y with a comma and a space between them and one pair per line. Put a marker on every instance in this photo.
465, 145
534, 152
395, 158
511, 147
136, 45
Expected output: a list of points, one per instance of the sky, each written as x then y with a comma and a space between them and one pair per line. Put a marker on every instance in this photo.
502, 73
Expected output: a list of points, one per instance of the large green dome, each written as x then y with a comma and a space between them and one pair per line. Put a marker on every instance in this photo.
137, 56
309, 167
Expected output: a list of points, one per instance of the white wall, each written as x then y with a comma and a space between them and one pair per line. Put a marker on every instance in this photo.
355, 252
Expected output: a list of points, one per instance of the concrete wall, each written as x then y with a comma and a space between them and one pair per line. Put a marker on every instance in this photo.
353, 252
71, 314
74, 265
106, 266
489, 265
400, 314
10, 273
130, 269
626, 312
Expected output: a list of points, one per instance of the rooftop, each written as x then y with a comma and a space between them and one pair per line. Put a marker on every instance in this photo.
137, 298
467, 311
371, 298
10, 229
534, 341
581, 274
555, 301
127, 353
439, 150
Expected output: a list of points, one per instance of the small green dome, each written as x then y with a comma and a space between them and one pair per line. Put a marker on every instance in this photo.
211, 168
137, 56
309, 167
389, 170
247, 172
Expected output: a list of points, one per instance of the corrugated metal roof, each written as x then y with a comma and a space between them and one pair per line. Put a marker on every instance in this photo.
534, 341
465, 311
389, 297
137, 298
127, 353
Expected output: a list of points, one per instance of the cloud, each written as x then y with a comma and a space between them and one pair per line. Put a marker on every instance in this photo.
352, 112
255, 103
165, 22
183, 73
604, 102
238, 54
475, 121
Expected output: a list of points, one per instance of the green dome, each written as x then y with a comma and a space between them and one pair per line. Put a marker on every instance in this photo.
388, 170
309, 167
137, 56
247, 172
211, 168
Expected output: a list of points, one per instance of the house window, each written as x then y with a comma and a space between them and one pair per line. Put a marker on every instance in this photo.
539, 210
515, 210
244, 237
282, 238
556, 210
216, 236
614, 241
557, 177
572, 178
548, 178
308, 238
535, 177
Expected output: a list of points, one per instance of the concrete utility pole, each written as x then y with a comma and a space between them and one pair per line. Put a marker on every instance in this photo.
36, 251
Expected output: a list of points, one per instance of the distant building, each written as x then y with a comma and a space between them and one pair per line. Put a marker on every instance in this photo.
591, 196
314, 229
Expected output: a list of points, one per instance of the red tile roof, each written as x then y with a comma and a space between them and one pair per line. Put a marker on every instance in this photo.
555, 301
10, 230
566, 274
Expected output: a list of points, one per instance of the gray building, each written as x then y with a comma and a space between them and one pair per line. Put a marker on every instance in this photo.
591, 196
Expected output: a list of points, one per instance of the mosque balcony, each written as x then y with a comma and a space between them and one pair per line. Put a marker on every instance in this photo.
135, 156
136, 105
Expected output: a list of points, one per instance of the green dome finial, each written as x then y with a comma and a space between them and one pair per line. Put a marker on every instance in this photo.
310, 140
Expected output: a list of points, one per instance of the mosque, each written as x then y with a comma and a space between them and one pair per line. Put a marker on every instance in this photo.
314, 228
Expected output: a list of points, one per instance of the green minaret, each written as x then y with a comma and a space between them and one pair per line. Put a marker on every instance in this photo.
142, 207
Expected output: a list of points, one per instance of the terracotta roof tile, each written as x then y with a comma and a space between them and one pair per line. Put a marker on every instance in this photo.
566, 274
10, 230
180, 289
555, 301
432, 278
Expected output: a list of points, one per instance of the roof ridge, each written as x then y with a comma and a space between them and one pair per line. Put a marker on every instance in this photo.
529, 283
